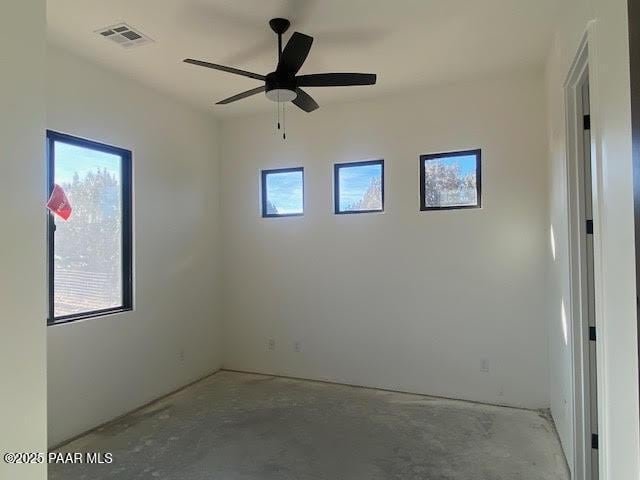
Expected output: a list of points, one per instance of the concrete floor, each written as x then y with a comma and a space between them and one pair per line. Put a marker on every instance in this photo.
234, 426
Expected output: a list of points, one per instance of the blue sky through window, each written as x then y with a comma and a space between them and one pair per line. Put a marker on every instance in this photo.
72, 158
354, 182
285, 192
466, 163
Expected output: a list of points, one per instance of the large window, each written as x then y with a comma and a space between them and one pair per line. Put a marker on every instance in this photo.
450, 180
359, 187
283, 192
90, 253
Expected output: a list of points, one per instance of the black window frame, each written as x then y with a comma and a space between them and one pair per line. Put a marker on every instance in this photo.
127, 226
435, 156
336, 186
264, 174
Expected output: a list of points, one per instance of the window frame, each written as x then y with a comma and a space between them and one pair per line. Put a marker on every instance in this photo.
263, 182
336, 185
434, 156
126, 220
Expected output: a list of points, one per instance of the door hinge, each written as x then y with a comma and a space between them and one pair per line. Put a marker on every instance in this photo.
594, 441
589, 227
586, 122
592, 334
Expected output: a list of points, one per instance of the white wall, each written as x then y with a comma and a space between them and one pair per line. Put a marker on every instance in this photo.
402, 300
101, 368
613, 221
22, 237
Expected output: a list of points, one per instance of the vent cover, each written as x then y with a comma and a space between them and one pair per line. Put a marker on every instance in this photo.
124, 35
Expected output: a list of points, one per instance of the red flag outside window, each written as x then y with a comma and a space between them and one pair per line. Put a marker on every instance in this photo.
59, 203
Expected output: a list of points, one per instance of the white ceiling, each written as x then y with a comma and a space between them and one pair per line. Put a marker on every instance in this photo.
408, 43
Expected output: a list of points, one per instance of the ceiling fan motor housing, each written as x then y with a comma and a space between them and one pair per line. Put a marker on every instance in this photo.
280, 87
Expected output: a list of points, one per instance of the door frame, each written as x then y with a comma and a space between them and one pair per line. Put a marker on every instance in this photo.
576, 311
633, 11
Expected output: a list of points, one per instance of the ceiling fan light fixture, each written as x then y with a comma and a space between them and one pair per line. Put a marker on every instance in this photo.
281, 95
280, 86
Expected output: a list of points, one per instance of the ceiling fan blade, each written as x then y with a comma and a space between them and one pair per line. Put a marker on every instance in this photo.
336, 79
304, 101
242, 95
295, 53
215, 66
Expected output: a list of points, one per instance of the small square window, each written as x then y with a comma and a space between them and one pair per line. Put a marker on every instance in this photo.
450, 180
283, 192
359, 187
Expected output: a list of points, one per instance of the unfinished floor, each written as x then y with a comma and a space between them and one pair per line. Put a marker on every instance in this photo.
242, 426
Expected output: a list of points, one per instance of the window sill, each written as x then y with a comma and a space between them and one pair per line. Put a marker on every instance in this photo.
356, 212
87, 316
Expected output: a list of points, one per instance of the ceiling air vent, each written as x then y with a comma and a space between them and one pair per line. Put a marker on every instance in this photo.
124, 35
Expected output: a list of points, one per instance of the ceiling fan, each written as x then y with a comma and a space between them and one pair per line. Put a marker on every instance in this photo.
283, 85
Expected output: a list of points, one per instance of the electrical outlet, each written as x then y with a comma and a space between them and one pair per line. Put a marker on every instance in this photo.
271, 344
484, 365
297, 346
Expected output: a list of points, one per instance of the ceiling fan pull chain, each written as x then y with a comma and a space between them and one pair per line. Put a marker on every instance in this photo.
284, 121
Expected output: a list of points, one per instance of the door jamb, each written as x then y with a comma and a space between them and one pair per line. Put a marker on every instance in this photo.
576, 312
